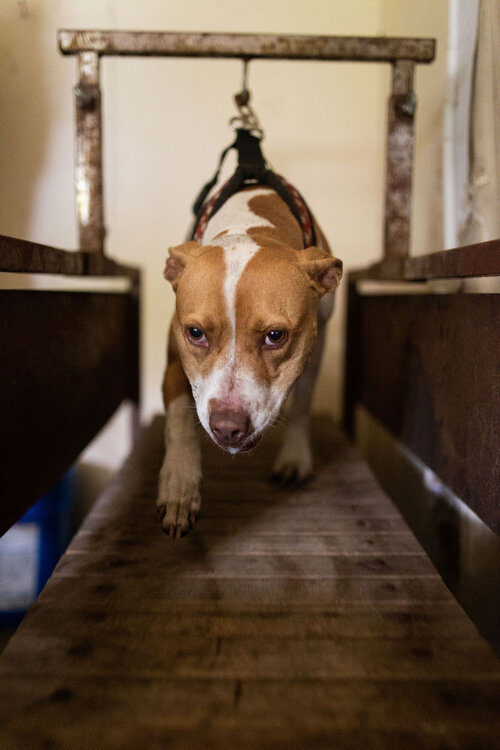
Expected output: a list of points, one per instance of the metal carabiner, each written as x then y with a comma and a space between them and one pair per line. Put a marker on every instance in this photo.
246, 119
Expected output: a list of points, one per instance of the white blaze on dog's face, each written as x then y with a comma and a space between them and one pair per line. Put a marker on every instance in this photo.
245, 325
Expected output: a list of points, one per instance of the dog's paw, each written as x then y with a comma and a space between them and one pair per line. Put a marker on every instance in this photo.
178, 502
294, 465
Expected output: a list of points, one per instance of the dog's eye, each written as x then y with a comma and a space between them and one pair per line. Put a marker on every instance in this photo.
275, 338
196, 336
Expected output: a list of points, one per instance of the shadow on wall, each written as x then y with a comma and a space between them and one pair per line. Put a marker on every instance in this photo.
24, 124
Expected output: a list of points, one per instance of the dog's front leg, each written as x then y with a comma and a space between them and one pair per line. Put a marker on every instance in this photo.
180, 476
294, 463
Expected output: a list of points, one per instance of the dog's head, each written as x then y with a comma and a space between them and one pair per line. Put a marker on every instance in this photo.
245, 324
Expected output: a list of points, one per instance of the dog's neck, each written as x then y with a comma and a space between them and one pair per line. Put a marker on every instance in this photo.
258, 214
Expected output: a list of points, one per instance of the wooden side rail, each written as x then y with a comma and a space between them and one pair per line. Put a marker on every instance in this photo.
69, 358
427, 366
473, 261
21, 256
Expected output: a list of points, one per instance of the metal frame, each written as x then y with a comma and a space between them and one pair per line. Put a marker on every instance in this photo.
90, 46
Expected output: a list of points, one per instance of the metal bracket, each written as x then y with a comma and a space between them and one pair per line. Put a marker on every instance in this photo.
409, 105
86, 95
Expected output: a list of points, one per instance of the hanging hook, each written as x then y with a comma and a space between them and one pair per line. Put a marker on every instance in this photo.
244, 88
247, 119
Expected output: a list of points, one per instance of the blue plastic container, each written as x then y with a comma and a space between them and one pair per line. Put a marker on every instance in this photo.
29, 551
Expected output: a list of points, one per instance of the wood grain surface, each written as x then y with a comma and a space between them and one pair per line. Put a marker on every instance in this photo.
305, 618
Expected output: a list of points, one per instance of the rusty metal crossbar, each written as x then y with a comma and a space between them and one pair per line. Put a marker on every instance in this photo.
264, 46
90, 46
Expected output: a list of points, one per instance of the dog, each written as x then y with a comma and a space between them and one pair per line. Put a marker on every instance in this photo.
252, 304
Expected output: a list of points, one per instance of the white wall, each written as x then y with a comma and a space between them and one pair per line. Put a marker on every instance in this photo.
462, 39
166, 123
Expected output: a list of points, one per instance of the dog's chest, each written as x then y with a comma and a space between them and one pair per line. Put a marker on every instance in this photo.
255, 221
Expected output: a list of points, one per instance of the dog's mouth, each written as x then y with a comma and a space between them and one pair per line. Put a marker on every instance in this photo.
246, 446
250, 444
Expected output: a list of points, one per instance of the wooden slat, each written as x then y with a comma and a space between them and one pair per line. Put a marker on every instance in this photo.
267, 567
158, 597
379, 543
286, 624
232, 620
200, 657
338, 713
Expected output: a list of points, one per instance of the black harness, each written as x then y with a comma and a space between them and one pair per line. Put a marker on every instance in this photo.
252, 169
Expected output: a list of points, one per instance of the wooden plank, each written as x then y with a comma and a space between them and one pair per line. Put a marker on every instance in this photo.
432, 380
21, 256
157, 596
258, 525
238, 620
68, 360
482, 259
315, 714
264, 46
133, 567
199, 657
231, 636
319, 515
379, 543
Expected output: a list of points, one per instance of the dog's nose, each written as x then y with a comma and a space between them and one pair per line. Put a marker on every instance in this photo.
230, 428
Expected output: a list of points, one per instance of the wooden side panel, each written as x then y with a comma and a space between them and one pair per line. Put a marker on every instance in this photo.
67, 361
428, 367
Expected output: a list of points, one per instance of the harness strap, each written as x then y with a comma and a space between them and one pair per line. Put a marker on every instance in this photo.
252, 169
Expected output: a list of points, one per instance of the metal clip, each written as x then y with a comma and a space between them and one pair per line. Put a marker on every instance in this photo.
246, 119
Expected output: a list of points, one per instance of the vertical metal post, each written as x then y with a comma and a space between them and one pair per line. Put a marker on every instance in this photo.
402, 104
88, 156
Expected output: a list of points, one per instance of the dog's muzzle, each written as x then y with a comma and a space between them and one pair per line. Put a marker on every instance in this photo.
231, 429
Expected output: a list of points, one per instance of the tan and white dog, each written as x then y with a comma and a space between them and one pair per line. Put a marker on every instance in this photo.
249, 324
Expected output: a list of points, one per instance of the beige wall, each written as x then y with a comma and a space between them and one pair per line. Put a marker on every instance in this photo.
166, 122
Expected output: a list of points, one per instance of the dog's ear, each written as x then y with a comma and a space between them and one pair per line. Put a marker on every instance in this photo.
176, 262
323, 270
